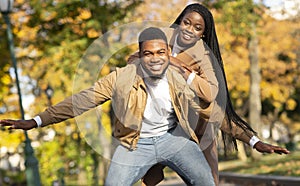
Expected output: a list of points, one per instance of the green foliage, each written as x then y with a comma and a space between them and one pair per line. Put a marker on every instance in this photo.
50, 39
50, 161
239, 16
278, 46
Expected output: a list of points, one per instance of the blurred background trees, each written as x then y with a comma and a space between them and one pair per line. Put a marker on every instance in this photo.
52, 36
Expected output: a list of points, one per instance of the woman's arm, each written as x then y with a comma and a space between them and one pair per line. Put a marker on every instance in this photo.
202, 82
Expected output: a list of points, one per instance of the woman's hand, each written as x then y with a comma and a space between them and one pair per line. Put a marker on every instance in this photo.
267, 148
181, 66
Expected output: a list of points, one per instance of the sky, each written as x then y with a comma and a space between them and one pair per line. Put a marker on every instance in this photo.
282, 9
271, 3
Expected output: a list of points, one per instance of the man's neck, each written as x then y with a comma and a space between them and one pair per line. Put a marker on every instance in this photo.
152, 80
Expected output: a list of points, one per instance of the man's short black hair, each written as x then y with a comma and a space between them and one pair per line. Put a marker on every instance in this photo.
151, 33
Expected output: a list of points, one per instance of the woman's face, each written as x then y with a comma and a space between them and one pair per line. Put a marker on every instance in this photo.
191, 28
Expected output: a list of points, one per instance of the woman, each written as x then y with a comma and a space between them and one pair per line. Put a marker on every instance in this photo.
194, 24
195, 51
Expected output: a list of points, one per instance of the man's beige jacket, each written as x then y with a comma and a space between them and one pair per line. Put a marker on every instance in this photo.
127, 90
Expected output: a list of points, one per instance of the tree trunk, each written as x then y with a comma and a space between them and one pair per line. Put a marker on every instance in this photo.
106, 146
82, 175
255, 79
273, 121
242, 152
96, 160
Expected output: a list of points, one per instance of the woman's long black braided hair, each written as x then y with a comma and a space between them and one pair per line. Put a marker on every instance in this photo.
210, 38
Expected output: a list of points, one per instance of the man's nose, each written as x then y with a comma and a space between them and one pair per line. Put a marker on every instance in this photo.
155, 58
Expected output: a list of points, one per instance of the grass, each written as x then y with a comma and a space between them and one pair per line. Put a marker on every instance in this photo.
269, 164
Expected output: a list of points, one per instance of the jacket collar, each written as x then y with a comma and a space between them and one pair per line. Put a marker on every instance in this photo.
138, 81
175, 80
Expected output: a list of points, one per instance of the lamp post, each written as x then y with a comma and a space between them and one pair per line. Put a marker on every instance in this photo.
31, 163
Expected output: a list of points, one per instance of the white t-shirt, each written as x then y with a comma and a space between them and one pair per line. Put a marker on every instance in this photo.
159, 115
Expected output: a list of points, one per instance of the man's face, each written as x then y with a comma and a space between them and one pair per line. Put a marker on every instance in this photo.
154, 57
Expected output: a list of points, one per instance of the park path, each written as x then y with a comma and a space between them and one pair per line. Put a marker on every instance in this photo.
177, 181
233, 179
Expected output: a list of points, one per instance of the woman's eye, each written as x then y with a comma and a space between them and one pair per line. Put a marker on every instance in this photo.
198, 28
186, 22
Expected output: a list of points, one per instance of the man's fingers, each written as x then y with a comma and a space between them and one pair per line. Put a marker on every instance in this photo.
11, 124
6, 122
18, 124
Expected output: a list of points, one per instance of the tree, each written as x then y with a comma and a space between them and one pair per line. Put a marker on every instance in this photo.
280, 70
50, 38
277, 69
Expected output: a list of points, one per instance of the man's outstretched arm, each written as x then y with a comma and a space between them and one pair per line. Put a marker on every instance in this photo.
69, 108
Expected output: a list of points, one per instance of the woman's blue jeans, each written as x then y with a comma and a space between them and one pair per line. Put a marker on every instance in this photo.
179, 153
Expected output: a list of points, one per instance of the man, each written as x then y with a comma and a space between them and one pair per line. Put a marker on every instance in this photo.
151, 103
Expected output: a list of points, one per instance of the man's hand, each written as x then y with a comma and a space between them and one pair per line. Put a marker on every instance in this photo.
18, 124
267, 148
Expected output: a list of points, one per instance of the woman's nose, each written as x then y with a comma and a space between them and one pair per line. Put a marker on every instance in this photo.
189, 28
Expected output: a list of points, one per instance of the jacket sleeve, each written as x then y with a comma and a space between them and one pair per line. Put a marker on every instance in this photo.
236, 132
205, 83
80, 102
201, 60
202, 108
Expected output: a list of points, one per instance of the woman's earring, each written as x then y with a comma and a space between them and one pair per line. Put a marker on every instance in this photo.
202, 36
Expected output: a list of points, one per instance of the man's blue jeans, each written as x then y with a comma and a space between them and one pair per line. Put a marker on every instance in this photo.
179, 153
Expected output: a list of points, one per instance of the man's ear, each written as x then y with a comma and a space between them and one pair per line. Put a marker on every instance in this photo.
139, 54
